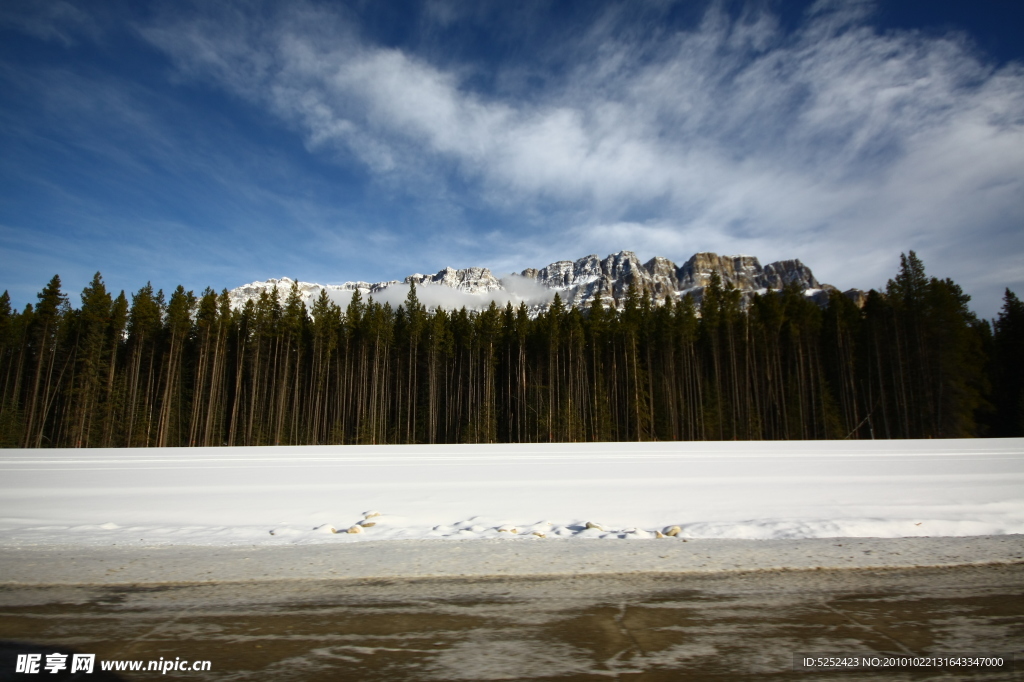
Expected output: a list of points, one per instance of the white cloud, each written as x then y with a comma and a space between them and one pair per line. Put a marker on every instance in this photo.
837, 144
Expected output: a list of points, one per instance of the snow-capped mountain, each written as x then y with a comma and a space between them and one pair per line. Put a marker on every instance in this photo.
579, 281
470, 280
576, 282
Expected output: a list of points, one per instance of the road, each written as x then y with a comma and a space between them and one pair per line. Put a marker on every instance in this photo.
643, 627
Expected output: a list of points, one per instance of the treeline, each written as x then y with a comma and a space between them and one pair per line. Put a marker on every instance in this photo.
913, 362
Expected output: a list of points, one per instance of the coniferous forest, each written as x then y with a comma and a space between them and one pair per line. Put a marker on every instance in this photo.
187, 370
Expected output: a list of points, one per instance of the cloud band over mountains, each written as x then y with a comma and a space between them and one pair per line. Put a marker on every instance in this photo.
732, 135
829, 139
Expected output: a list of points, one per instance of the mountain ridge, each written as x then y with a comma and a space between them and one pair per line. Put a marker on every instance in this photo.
576, 282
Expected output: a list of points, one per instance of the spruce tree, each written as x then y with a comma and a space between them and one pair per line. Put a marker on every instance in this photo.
46, 322
12, 349
144, 327
92, 330
1008, 368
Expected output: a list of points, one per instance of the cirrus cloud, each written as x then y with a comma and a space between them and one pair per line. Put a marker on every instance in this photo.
836, 142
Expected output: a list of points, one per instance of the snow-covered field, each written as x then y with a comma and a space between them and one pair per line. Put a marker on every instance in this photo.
297, 495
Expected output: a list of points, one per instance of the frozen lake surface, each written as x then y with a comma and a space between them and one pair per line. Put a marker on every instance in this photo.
721, 490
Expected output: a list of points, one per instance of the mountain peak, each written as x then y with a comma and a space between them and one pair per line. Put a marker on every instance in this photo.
576, 282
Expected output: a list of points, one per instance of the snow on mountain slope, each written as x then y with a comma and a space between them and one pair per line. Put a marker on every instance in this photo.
576, 282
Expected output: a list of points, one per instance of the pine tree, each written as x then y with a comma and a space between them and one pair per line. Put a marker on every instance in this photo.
954, 362
144, 327
906, 293
691, 386
711, 323
840, 330
114, 390
597, 339
635, 380
46, 322
12, 354
324, 327
288, 389
92, 330
174, 394
414, 330
1008, 368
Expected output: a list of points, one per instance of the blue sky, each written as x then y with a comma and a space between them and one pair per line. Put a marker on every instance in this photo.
214, 144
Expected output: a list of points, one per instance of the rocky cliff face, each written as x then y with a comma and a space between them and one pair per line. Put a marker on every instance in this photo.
579, 282
470, 280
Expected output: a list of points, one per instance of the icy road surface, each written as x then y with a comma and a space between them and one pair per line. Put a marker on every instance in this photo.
297, 495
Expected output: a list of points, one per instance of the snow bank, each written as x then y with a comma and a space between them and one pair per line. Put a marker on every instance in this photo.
516, 493
125, 564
